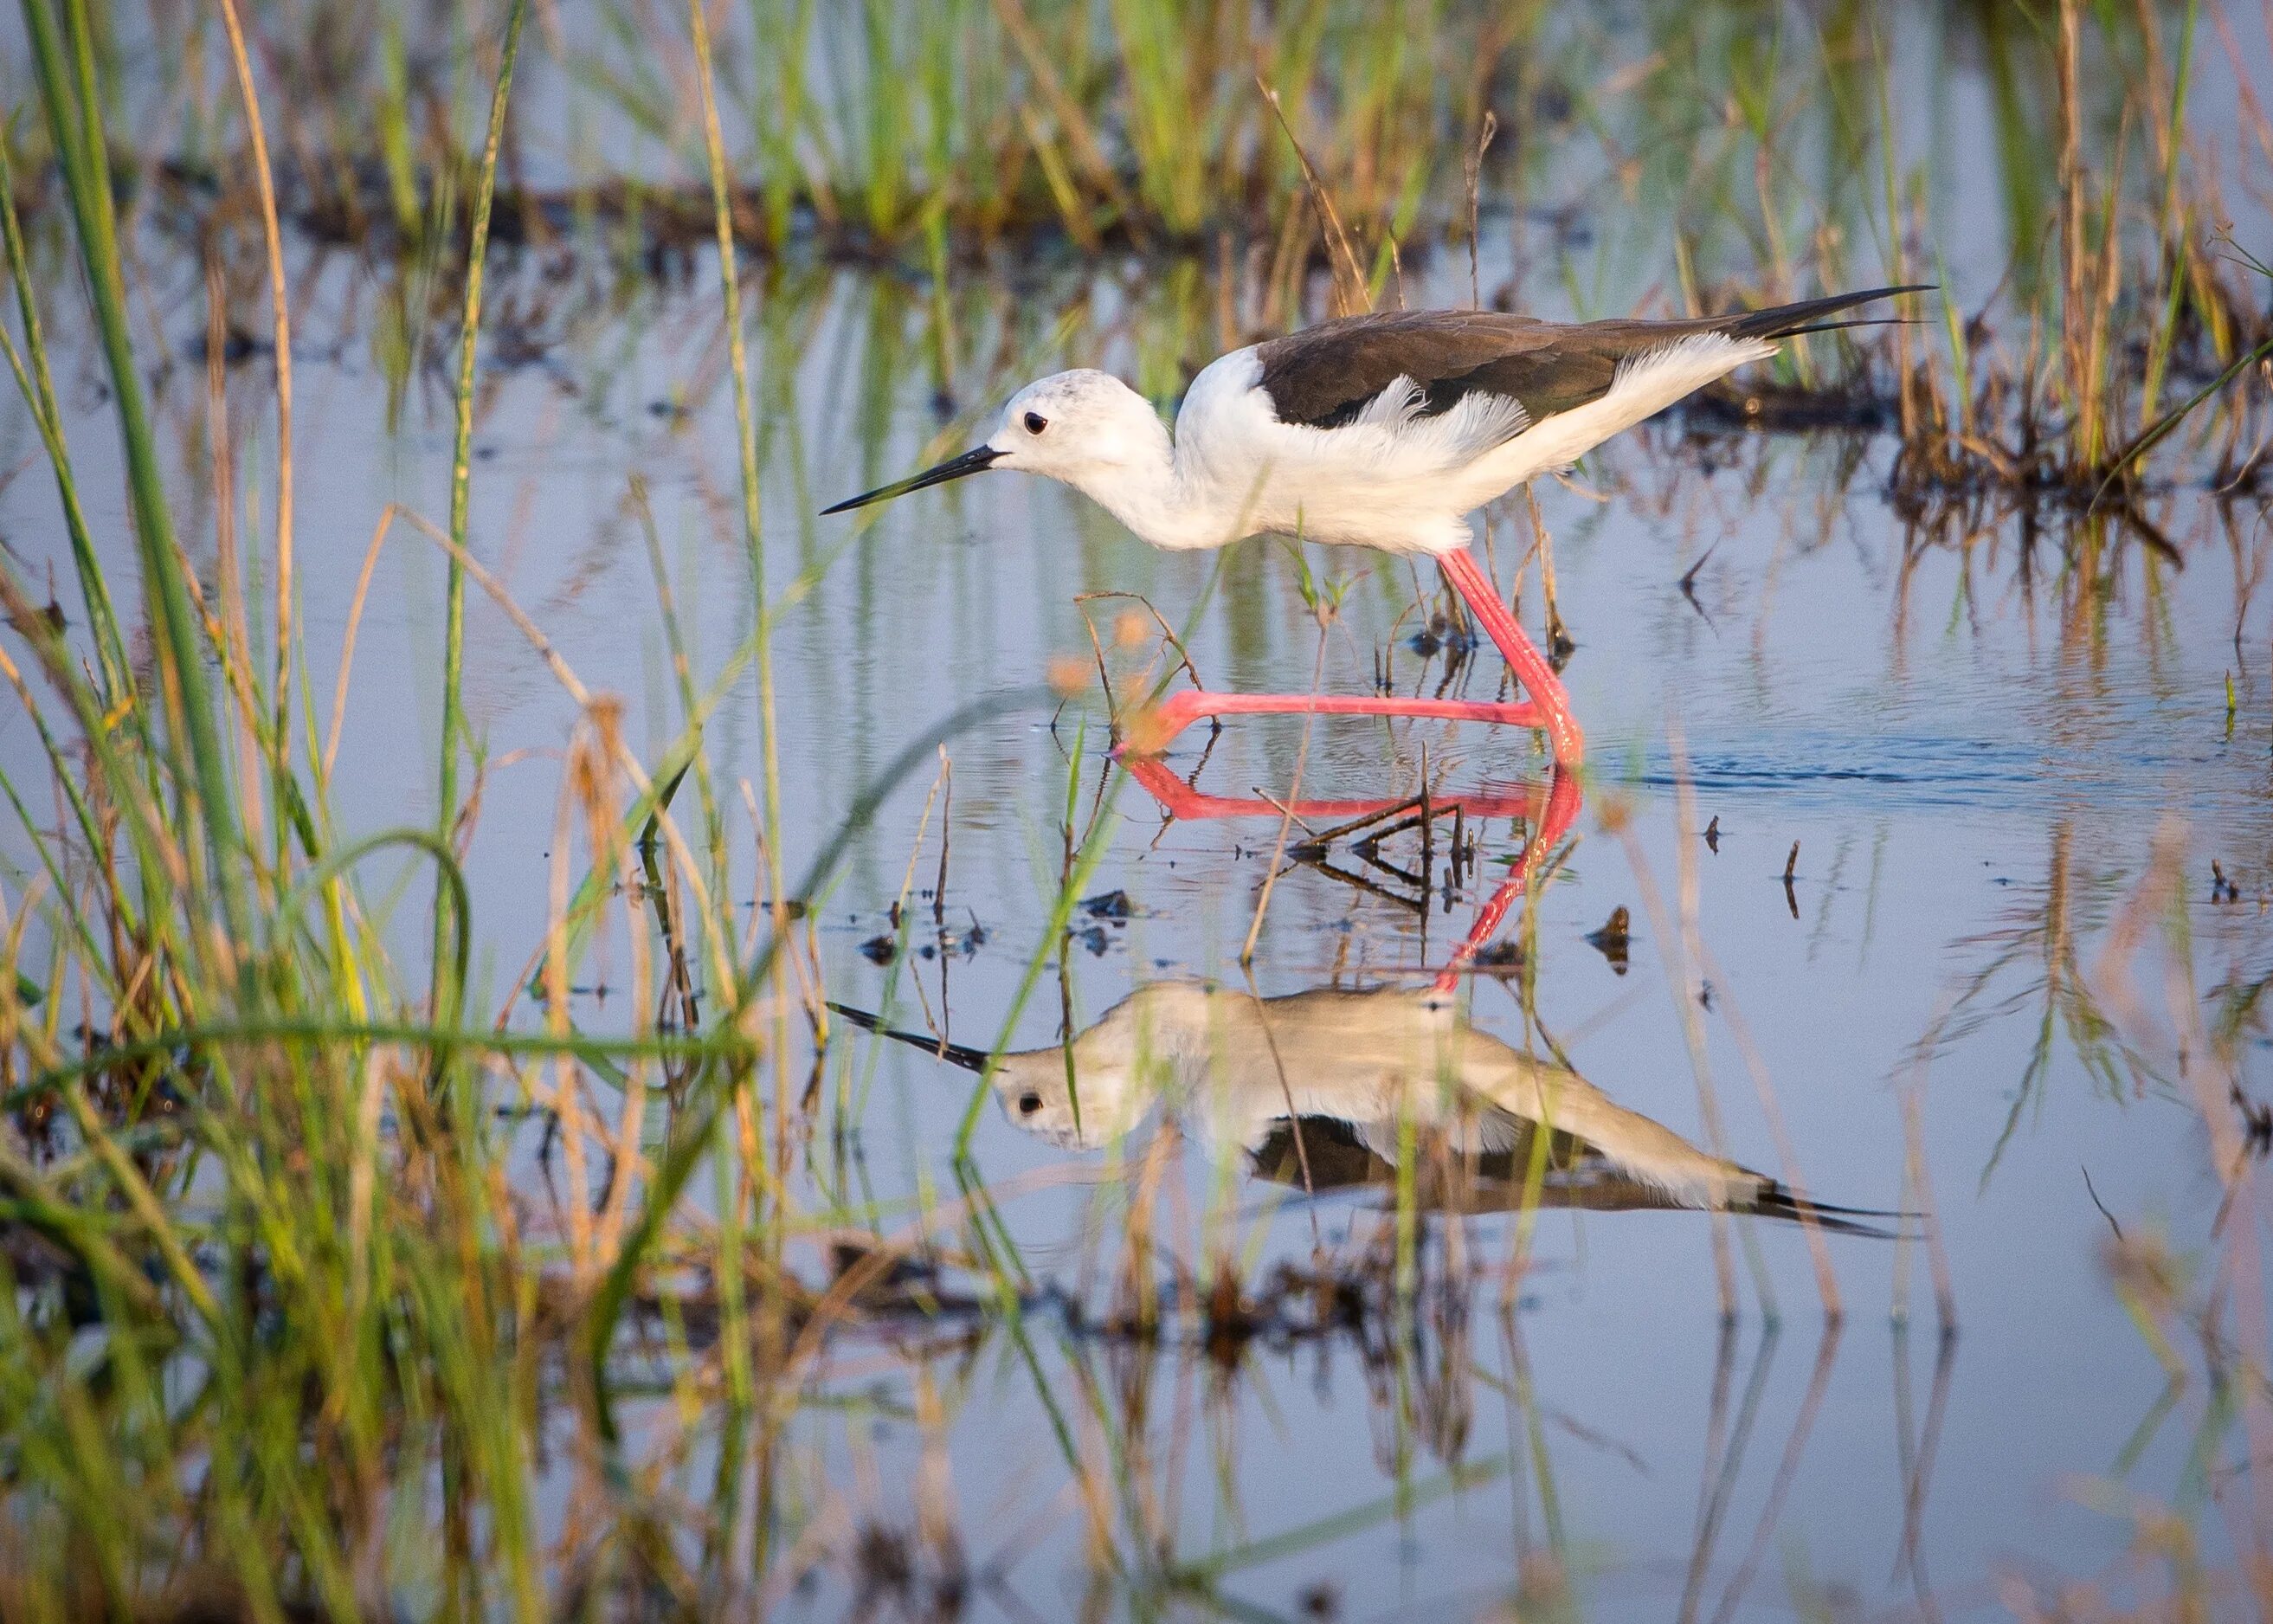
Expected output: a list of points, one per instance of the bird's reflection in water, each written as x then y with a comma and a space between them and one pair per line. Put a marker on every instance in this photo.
1320, 1090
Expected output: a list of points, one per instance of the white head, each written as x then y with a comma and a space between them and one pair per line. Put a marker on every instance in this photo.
1085, 427
1074, 425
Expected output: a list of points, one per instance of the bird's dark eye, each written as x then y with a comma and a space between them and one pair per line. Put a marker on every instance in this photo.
1036, 423
1029, 1104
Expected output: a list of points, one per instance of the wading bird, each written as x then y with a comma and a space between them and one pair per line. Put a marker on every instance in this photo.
1379, 430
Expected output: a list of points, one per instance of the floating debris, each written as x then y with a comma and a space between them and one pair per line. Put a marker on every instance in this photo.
1611, 941
880, 950
1502, 958
1441, 636
2257, 1122
1761, 405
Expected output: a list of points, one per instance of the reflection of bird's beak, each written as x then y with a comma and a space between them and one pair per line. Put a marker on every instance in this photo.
954, 1054
973, 462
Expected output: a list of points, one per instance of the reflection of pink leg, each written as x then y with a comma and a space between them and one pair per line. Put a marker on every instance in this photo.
1555, 820
1551, 812
1179, 800
1150, 731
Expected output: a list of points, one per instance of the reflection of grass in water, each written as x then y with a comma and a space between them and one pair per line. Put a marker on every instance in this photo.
2039, 949
2208, 1300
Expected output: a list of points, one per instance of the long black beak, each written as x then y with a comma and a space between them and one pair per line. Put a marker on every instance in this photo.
954, 1054
976, 461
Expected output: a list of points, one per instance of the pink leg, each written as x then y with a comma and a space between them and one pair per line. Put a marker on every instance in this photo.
1149, 733
1549, 707
1522, 655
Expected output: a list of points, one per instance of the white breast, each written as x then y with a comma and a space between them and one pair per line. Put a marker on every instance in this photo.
1376, 482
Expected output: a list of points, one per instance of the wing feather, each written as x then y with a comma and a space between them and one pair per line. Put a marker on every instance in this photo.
1399, 368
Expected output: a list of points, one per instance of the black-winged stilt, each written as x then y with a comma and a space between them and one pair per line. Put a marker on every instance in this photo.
1380, 430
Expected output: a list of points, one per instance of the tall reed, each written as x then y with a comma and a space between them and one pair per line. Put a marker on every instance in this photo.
462, 462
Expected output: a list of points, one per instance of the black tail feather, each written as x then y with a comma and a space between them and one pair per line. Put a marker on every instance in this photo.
1787, 321
1777, 1201
954, 1054
1858, 321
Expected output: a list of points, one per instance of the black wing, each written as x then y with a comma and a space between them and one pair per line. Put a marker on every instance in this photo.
1324, 376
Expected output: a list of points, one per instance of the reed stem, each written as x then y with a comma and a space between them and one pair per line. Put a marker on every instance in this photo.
454, 635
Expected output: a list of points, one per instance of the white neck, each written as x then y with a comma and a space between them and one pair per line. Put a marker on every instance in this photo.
1155, 492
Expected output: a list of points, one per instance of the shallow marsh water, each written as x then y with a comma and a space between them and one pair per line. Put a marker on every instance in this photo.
1973, 747
1975, 739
